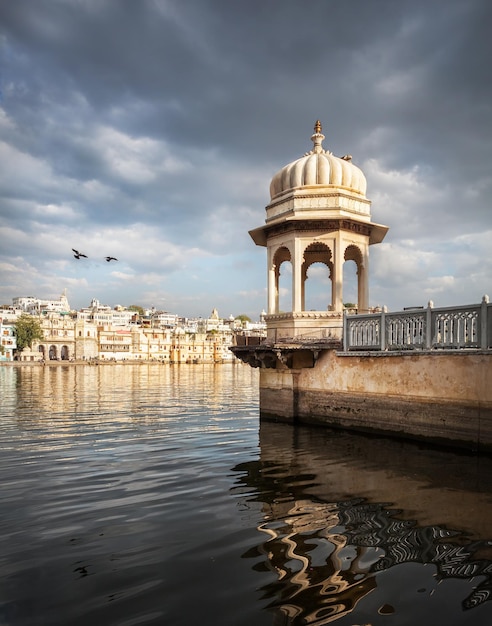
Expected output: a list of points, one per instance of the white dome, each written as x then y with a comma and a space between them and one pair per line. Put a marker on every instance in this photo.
319, 167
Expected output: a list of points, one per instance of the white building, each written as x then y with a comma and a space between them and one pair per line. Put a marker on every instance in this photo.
164, 319
34, 306
10, 314
8, 342
104, 315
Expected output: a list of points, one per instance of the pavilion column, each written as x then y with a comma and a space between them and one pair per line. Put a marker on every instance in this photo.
303, 289
363, 284
337, 279
277, 290
272, 282
297, 278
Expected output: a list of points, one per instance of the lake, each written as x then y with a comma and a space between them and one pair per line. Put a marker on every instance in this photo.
151, 494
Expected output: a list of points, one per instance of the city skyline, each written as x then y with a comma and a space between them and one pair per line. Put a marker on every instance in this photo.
149, 132
32, 304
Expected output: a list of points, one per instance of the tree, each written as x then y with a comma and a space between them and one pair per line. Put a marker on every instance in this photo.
243, 318
27, 330
138, 309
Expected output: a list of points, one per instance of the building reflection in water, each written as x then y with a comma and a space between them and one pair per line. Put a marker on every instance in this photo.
340, 509
72, 393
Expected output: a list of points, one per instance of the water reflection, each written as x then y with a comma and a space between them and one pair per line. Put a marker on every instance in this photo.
115, 490
118, 387
358, 529
119, 506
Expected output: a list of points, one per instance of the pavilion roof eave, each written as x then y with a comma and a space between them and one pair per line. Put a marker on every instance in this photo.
258, 235
378, 233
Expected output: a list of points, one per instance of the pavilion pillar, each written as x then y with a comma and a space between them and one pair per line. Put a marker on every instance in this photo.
272, 282
297, 279
337, 279
363, 284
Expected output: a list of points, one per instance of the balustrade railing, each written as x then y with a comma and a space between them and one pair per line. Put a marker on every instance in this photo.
460, 327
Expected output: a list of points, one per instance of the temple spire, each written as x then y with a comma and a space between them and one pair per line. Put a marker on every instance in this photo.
318, 137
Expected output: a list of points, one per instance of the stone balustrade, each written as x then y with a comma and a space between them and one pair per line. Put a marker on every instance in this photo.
459, 327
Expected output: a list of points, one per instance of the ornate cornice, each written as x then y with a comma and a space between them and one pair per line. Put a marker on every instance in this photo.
330, 225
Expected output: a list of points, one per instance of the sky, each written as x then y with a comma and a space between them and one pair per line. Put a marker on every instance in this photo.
149, 130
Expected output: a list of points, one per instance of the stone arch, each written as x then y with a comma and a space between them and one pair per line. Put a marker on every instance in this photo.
353, 253
357, 255
64, 353
53, 353
315, 252
281, 255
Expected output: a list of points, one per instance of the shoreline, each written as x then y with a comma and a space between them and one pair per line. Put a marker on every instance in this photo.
97, 363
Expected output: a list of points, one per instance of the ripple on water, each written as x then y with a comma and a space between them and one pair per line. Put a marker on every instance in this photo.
148, 494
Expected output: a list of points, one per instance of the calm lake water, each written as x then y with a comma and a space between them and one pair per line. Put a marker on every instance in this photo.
150, 494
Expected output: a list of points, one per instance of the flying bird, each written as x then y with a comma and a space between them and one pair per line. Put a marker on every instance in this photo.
111, 258
78, 254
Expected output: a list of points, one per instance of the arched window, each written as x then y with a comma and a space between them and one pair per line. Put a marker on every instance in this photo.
282, 267
317, 270
351, 274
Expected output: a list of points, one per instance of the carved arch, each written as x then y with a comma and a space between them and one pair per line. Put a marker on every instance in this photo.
354, 253
315, 252
281, 254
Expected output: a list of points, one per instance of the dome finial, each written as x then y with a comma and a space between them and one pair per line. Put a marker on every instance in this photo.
318, 137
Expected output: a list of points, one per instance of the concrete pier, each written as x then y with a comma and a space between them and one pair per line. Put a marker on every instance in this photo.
443, 397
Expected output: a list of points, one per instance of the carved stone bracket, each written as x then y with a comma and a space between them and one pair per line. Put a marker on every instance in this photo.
278, 357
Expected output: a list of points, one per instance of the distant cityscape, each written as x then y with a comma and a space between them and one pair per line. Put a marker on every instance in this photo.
100, 333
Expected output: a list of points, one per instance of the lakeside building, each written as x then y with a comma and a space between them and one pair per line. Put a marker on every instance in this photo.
33, 305
103, 314
8, 342
99, 333
9, 314
164, 319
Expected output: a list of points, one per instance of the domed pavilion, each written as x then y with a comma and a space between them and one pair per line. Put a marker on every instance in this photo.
318, 213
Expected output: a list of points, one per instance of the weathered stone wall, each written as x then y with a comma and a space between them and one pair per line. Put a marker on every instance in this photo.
440, 396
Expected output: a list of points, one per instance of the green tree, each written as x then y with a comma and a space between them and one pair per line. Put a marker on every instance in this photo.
27, 330
138, 309
243, 318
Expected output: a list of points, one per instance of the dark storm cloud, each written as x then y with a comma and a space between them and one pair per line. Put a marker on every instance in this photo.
213, 73
173, 116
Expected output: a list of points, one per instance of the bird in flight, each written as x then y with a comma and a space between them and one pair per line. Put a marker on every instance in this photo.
78, 254
111, 258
